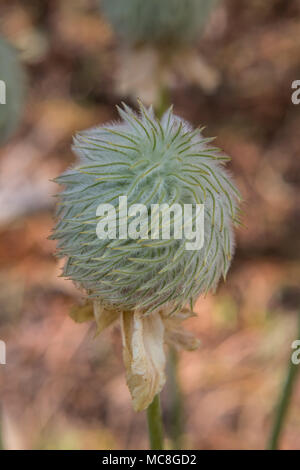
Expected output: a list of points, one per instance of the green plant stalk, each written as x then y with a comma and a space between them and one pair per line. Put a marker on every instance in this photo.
284, 402
176, 421
155, 425
163, 101
177, 415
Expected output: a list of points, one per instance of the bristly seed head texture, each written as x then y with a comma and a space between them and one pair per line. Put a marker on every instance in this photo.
13, 84
150, 161
153, 21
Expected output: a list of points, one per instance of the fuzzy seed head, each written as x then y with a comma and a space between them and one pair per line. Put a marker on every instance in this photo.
169, 21
150, 161
12, 87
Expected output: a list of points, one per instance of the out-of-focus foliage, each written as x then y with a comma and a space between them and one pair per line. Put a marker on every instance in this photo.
13, 76
159, 39
70, 391
176, 21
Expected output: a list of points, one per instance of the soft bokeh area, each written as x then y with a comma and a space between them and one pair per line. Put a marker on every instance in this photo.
63, 389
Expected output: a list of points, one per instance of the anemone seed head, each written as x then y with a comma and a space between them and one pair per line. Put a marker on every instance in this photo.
151, 21
13, 87
150, 161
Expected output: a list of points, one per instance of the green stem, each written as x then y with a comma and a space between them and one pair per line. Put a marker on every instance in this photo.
163, 101
176, 428
155, 426
284, 402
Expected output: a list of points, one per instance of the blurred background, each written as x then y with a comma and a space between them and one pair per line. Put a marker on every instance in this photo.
62, 389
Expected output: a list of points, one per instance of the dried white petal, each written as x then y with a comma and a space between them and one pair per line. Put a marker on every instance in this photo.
139, 74
176, 335
194, 69
104, 318
144, 356
182, 339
